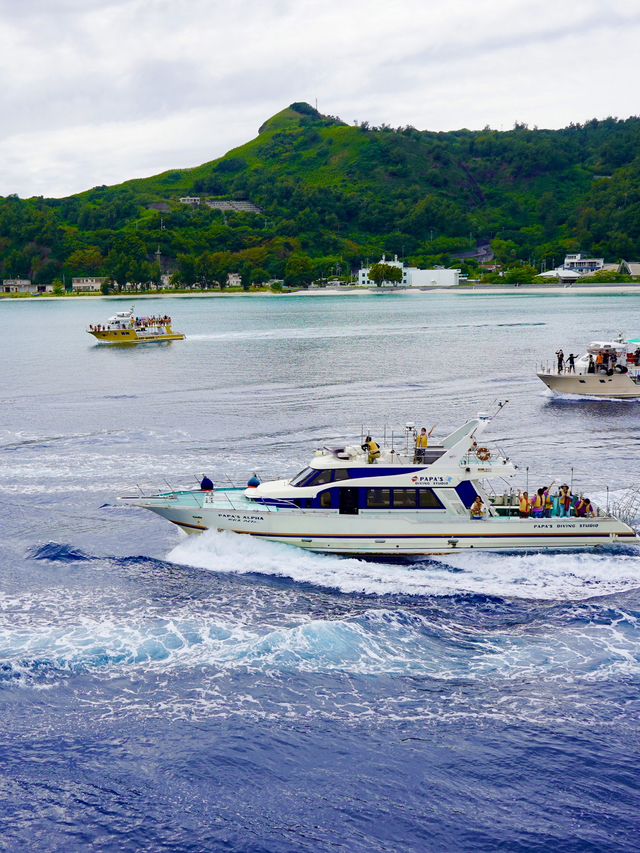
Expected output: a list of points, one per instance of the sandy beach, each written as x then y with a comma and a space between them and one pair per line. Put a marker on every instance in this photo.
514, 289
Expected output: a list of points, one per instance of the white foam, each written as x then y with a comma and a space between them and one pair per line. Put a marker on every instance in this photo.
567, 576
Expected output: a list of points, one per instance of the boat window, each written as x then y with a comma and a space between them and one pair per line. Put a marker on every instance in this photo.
322, 478
428, 499
325, 499
299, 478
341, 474
378, 498
404, 498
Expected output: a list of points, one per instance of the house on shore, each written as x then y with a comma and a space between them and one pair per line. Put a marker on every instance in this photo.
88, 284
24, 285
583, 266
577, 267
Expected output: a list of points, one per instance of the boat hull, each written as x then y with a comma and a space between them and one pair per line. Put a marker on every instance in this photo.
619, 386
131, 336
376, 535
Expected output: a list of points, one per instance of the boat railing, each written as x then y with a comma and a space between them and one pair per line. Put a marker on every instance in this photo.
485, 457
202, 498
627, 506
270, 505
550, 368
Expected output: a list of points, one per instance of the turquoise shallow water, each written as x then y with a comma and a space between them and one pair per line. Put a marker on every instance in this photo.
220, 693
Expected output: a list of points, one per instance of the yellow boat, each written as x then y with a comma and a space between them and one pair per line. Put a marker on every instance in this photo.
126, 328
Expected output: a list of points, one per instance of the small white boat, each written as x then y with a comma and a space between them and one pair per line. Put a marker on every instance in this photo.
406, 502
618, 377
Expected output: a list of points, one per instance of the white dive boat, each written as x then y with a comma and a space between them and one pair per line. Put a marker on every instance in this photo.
618, 377
399, 505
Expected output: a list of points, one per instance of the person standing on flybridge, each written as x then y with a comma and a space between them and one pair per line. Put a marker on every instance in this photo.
372, 448
422, 442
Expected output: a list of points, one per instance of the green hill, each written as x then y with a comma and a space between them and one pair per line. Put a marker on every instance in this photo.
331, 195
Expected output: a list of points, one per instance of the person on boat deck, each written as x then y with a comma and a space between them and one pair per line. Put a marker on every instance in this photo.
584, 508
477, 511
422, 442
591, 368
524, 504
539, 503
599, 361
637, 355
549, 503
372, 448
560, 357
206, 485
564, 501
571, 361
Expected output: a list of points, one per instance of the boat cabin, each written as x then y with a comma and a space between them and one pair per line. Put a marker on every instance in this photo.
441, 478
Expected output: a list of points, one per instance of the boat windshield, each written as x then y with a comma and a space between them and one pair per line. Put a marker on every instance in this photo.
297, 480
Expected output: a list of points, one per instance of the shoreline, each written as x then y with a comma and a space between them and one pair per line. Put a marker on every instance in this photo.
572, 290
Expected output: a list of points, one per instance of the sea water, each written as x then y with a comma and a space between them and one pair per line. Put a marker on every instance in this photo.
222, 693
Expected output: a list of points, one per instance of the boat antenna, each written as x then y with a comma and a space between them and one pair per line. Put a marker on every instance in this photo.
502, 404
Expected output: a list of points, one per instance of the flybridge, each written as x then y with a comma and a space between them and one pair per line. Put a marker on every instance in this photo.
399, 447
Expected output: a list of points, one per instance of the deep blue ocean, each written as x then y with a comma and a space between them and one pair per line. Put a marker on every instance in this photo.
210, 693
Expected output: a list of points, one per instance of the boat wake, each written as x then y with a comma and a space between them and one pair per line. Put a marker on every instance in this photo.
547, 575
275, 631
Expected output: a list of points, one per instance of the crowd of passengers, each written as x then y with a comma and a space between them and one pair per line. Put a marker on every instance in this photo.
545, 503
605, 361
139, 322
143, 322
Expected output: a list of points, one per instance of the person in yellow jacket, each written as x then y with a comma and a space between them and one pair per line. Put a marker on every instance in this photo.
372, 448
548, 503
477, 511
538, 504
524, 504
422, 442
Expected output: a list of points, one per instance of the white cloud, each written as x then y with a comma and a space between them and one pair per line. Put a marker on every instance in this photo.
98, 91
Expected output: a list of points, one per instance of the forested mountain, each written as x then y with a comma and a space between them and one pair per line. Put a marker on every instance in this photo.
332, 195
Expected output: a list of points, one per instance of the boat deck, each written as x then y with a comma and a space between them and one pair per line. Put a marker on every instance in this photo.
233, 498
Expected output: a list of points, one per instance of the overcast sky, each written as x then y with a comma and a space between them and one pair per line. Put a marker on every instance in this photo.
99, 91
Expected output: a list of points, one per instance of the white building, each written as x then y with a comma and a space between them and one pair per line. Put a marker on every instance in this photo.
576, 263
414, 276
234, 279
24, 285
87, 284
575, 267
18, 285
190, 199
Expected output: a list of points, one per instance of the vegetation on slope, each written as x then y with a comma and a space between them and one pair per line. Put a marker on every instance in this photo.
333, 195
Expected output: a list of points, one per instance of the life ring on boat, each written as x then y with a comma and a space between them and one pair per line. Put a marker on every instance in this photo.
483, 454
